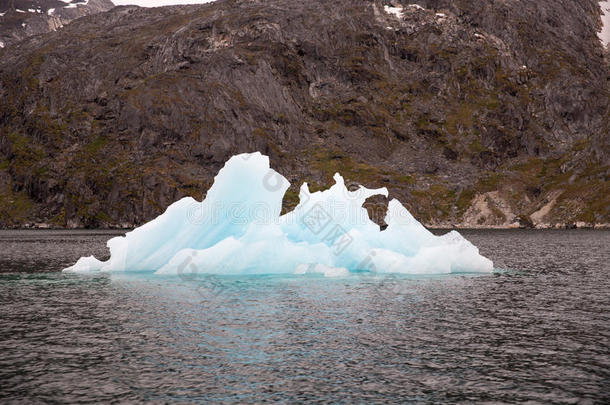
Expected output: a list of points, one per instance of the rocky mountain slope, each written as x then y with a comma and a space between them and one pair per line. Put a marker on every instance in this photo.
472, 113
20, 19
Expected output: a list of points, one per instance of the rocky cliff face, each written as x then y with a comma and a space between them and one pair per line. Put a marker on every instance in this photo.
474, 113
20, 19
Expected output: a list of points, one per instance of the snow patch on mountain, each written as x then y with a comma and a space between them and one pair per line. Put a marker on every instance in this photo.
604, 34
415, 6
397, 11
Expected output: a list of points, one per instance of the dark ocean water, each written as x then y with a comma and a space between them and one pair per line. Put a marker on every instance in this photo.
537, 330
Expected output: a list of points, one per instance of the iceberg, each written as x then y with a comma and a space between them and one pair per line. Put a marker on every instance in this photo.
238, 229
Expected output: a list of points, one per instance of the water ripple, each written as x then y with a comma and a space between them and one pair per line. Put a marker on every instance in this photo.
536, 332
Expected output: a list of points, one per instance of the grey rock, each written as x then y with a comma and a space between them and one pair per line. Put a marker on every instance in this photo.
122, 112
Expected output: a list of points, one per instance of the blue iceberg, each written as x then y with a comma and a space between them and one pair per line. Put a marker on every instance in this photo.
238, 229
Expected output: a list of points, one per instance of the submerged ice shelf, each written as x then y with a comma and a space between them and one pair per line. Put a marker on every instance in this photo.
238, 229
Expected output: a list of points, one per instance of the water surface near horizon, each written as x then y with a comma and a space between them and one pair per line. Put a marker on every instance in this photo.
537, 330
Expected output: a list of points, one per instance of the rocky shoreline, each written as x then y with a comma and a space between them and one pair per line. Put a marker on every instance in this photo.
127, 227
